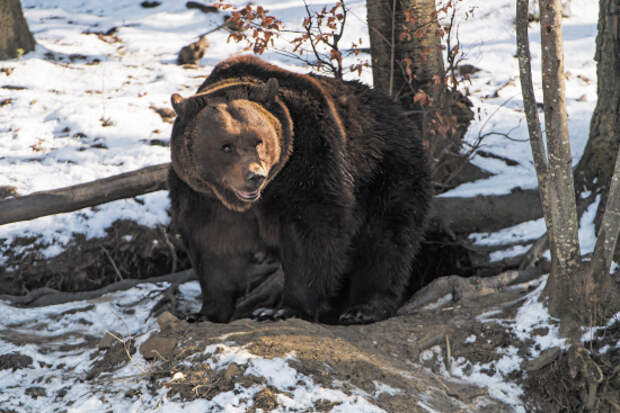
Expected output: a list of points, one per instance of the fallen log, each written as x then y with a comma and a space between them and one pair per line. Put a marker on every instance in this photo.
72, 198
455, 214
487, 213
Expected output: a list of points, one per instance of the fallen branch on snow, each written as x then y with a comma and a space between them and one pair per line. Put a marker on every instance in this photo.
72, 198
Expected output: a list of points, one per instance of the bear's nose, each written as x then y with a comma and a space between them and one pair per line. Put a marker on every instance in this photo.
255, 179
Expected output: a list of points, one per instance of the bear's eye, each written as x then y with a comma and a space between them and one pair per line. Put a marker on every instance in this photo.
227, 147
259, 142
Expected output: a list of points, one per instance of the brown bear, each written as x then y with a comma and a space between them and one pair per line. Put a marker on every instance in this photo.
326, 177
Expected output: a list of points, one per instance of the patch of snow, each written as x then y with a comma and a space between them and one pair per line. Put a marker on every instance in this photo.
305, 392
513, 251
384, 388
534, 315
441, 302
590, 332
529, 230
587, 233
497, 384
470, 339
427, 407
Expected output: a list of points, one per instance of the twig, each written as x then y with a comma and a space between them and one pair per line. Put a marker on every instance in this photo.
118, 272
126, 346
173, 251
448, 355
392, 50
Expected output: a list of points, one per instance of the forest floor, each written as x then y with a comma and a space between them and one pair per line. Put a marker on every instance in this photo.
93, 101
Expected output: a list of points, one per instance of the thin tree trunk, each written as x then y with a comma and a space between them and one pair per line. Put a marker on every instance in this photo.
14, 32
567, 285
594, 170
610, 226
531, 113
564, 213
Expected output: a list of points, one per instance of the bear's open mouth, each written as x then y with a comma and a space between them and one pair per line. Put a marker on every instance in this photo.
247, 196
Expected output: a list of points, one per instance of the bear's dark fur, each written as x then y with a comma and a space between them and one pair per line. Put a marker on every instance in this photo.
342, 208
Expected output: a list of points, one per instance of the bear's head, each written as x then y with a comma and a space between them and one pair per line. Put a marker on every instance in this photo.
231, 145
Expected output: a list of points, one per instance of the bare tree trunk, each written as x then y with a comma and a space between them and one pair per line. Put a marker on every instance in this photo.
14, 32
566, 287
411, 27
594, 170
564, 208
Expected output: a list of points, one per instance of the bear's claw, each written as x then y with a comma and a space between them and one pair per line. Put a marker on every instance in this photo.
273, 314
362, 315
196, 318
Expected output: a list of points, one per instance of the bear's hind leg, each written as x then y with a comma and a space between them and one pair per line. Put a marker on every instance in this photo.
380, 267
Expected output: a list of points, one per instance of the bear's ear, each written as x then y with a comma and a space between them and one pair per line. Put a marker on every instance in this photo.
188, 107
267, 92
178, 104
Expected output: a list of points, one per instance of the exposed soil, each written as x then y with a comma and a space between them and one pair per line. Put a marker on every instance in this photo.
128, 250
386, 352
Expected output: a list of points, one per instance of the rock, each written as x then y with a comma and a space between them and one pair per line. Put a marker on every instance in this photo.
202, 7
150, 4
546, 357
193, 52
108, 340
233, 371
8, 190
158, 346
14, 361
167, 321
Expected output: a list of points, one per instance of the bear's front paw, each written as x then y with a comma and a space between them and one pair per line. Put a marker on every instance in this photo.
196, 317
273, 314
363, 314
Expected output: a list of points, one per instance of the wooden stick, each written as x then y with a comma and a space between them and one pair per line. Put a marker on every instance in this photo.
127, 185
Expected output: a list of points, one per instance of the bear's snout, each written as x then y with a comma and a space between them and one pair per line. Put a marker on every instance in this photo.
255, 179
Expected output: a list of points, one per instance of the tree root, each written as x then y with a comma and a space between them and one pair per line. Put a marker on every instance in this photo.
453, 288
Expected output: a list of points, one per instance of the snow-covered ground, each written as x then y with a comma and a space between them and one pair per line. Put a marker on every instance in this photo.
80, 108
83, 107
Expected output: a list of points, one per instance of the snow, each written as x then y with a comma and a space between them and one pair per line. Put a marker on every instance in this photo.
71, 324
87, 114
61, 112
530, 315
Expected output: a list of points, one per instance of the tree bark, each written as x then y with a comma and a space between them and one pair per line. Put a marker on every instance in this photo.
14, 32
574, 288
564, 208
566, 287
594, 170
602, 289
395, 29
